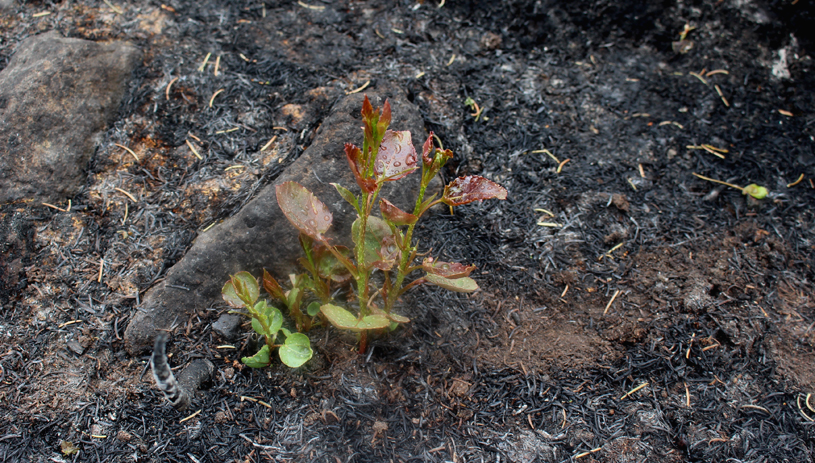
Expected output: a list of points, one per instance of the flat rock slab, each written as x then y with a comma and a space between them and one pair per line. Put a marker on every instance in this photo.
56, 96
259, 236
6, 6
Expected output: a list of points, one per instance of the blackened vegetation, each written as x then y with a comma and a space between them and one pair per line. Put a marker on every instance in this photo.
714, 309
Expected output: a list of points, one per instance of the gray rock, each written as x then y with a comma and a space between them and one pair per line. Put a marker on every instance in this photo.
259, 236
56, 95
7, 5
228, 326
16, 251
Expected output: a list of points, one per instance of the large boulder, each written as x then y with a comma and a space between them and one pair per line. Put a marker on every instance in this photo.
56, 96
259, 236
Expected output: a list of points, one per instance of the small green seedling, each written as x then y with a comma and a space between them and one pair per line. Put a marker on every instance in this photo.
242, 291
381, 244
756, 191
470, 103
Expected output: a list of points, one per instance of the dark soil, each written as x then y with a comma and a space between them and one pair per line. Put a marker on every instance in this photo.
629, 310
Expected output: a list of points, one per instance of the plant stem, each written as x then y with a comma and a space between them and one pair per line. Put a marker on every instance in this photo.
362, 277
408, 252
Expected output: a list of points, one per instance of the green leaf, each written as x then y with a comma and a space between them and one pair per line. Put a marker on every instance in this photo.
376, 232
756, 191
296, 350
313, 309
274, 318
397, 318
241, 290
396, 157
294, 297
460, 285
344, 319
373, 322
471, 188
347, 196
307, 213
259, 360
257, 326
68, 448
328, 266
230, 296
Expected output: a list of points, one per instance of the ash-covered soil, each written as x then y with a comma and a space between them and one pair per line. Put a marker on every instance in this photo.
630, 311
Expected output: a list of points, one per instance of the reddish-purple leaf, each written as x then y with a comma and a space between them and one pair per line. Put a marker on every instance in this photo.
388, 254
396, 215
451, 270
354, 156
426, 148
369, 117
471, 188
272, 286
307, 213
367, 109
396, 157
385, 118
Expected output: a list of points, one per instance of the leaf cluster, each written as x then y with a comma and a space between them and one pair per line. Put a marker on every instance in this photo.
382, 243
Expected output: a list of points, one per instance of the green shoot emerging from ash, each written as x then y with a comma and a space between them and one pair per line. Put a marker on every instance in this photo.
381, 243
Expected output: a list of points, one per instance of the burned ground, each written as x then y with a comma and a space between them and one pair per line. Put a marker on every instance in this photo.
629, 310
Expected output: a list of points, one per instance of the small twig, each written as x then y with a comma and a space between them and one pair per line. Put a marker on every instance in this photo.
721, 95
634, 390
204, 64
59, 208
112, 7
269, 143
756, 407
128, 150
616, 293
191, 416
719, 182
126, 194
790, 185
584, 454
357, 90
548, 153
194, 151
212, 99
560, 166
671, 123
698, 76
63, 325
311, 7
169, 86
